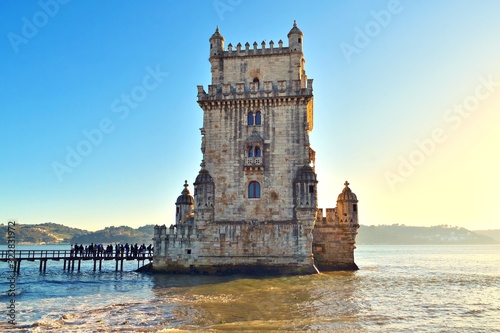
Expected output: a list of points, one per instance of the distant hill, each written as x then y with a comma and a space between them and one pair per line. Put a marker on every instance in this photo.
122, 235
495, 234
45, 233
401, 234
53, 233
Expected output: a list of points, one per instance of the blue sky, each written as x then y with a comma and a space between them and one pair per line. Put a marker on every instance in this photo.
406, 105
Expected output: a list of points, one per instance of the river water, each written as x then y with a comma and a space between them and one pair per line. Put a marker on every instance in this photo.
397, 289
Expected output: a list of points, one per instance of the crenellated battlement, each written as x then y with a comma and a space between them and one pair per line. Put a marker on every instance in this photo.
173, 239
282, 88
265, 50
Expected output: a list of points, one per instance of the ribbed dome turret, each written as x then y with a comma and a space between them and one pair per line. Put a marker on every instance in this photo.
347, 194
203, 178
306, 173
295, 30
185, 197
217, 34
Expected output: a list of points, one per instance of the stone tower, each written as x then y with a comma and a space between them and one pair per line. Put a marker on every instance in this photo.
255, 197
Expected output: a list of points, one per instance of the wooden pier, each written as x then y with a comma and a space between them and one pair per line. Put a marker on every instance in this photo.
70, 258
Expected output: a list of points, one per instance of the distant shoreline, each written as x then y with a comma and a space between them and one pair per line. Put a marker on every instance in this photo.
396, 234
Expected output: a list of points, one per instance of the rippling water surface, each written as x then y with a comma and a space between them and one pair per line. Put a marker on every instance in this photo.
397, 289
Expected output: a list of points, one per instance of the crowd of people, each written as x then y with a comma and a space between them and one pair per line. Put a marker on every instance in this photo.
118, 250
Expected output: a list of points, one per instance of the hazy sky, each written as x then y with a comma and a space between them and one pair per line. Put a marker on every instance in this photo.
99, 123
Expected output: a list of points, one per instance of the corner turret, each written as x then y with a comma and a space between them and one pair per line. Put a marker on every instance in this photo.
203, 189
306, 195
295, 38
347, 207
216, 43
184, 206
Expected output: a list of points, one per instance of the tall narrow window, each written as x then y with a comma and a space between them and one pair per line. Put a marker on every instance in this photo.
257, 152
258, 118
254, 190
250, 152
355, 208
250, 118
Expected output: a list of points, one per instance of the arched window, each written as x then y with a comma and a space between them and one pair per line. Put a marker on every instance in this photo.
256, 80
258, 118
253, 190
257, 152
250, 152
250, 119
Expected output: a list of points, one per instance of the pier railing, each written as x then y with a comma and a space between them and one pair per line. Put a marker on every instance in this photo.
71, 256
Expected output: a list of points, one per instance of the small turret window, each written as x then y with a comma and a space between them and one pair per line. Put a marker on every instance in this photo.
299, 40
253, 190
355, 208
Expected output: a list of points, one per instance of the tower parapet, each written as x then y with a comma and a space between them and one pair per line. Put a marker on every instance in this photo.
257, 65
268, 89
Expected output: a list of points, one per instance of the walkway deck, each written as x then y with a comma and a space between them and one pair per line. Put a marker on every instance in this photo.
70, 258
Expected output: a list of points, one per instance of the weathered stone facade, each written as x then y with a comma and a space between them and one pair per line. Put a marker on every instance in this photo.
254, 207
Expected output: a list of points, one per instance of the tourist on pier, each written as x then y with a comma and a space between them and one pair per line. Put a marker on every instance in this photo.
127, 249
150, 249
72, 250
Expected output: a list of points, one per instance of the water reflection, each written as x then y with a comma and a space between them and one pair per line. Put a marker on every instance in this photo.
323, 301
